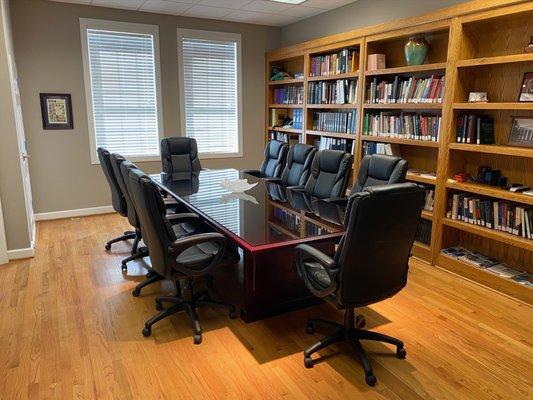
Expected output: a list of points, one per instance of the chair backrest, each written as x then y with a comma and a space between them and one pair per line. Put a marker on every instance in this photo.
179, 154
373, 255
117, 197
329, 174
120, 166
156, 230
275, 155
380, 169
298, 165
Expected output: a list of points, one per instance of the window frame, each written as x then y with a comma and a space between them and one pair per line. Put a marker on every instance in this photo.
216, 36
124, 27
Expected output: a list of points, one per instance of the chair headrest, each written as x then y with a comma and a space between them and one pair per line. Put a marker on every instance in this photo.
381, 166
179, 145
274, 148
300, 152
330, 160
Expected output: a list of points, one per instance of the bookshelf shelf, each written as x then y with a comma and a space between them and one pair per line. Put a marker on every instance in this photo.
287, 130
349, 75
348, 106
408, 69
420, 179
491, 191
283, 230
513, 240
403, 106
331, 134
513, 106
513, 58
285, 106
486, 278
473, 53
286, 82
409, 142
494, 149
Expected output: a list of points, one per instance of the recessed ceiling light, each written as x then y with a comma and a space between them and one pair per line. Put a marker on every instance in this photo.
289, 1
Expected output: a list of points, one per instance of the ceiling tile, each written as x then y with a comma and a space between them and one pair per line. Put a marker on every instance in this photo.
233, 4
74, 1
126, 4
327, 4
303, 11
277, 20
165, 7
246, 16
207, 12
267, 6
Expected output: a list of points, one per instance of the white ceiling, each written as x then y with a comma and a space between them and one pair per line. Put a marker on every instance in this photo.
263, 12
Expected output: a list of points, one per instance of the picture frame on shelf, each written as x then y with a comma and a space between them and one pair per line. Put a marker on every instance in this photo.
56, 111
526, 89
521, 132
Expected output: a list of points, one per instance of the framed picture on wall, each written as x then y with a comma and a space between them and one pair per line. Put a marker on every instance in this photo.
56, 111
521, 132
526, 90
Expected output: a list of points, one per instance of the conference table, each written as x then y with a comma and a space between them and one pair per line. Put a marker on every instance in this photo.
266, 222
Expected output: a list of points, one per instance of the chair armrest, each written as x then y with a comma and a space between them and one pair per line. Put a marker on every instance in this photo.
182, 244
303, 251
296, 188
273, 180
183, 217
337, 200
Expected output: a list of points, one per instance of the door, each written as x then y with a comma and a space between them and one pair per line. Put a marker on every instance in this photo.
23, 148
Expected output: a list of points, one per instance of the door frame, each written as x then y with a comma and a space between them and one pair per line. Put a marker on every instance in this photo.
3, 241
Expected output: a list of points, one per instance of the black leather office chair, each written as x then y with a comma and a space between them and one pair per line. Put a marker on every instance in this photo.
178, 259
274, 162
179, 154
369, 265
380, 169
329, 174
117, 197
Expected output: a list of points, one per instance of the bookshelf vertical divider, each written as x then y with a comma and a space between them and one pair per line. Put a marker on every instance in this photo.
475, 49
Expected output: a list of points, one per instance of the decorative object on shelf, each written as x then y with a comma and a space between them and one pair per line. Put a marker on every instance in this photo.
526, 90
529, 46
518, 188
416, 50
280, 76
237, 186
463, 177
521, 132
478, 97
375, 61
56, 111
489, 176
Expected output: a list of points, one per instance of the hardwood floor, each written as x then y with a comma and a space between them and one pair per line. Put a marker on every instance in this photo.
70, 329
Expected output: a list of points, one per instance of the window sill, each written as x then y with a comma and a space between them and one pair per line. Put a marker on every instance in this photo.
212, 156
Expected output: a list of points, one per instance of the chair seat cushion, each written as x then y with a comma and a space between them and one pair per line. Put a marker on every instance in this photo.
197, 257
317, 274
183, 229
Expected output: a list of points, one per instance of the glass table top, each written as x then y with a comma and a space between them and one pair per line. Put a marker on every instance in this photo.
266, 216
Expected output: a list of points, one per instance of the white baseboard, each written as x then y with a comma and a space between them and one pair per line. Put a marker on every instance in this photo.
21, 253
80, 212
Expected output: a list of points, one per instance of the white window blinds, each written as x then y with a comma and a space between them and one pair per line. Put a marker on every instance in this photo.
123, 71
210, 81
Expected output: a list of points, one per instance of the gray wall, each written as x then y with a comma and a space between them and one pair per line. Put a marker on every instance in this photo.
360, 14
11, 189
48, 50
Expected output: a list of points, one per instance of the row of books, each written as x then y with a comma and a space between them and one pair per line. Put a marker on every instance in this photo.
403, 125
337, 121
490, 213
286, 118
285, 137
423, 232
401, 90
430, 198
297, 118
287, 220
315, 230
341, 91
489, 264
334, 144
476, 129
345, 61
391, 149
293, 94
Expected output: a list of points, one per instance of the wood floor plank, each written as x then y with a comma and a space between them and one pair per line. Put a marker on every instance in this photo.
71, 330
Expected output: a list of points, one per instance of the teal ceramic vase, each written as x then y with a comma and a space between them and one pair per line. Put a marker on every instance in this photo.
416, 50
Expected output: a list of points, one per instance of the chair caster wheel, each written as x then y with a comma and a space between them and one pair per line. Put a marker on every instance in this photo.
360, 322
401, 353
147, 331
310, 329
233, 314
370, 380
159, 306
108, 247
308, 362
197, 339
136, 292
124, 267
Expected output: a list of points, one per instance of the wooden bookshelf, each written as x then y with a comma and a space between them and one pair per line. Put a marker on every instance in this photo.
285, 106
287, 130
286, 82
477, 49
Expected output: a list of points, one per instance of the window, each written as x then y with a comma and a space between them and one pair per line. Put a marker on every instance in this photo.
122, 86
210, 86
